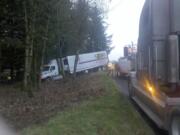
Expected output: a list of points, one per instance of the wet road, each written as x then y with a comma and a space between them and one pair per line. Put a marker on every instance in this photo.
123, 87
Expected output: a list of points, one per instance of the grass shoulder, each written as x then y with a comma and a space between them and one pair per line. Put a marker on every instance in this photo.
110, 114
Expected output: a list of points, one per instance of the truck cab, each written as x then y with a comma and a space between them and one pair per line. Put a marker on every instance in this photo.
50, 70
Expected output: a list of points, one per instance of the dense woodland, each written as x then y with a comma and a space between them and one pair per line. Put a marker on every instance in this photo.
34, 31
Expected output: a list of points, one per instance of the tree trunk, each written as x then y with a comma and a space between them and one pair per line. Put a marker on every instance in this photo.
61, 61
33, 57
75, 63
62, 67
59, 66
27, 71
59, 54
25, 82
43, 53
28, 56
0, 60
26, 66
34, 72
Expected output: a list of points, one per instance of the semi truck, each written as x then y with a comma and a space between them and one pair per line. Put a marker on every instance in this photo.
85, 62
155, 86
124, 66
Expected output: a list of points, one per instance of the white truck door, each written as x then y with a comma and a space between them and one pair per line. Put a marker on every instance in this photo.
53, 71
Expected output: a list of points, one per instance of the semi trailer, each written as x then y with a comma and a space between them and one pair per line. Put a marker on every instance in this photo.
155, 86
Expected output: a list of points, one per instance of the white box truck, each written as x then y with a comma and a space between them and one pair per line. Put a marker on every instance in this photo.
86, 61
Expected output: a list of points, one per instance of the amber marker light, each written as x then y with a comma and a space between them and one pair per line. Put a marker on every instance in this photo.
149, 87
151, 90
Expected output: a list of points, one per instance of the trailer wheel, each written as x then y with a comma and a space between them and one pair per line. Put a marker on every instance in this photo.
48, 79
175, 126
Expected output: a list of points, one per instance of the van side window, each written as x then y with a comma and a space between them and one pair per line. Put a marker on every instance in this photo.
52, 68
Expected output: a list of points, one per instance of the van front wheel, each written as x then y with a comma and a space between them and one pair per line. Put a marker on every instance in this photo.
175, 126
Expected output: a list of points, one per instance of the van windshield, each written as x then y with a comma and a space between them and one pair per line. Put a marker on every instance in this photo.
46, 68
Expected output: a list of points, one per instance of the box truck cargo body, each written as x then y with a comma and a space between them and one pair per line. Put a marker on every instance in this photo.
88, 61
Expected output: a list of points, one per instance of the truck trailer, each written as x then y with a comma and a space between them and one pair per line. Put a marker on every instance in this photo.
155, 86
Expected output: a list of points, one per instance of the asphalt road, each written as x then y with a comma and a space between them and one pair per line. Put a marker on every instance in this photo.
123, 87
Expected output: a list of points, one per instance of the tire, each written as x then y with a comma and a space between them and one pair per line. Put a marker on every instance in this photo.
48, 79
175, 126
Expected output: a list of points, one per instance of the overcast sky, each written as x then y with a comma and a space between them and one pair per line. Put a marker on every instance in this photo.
123, 20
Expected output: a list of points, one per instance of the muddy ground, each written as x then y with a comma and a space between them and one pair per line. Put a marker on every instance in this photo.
20, 111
